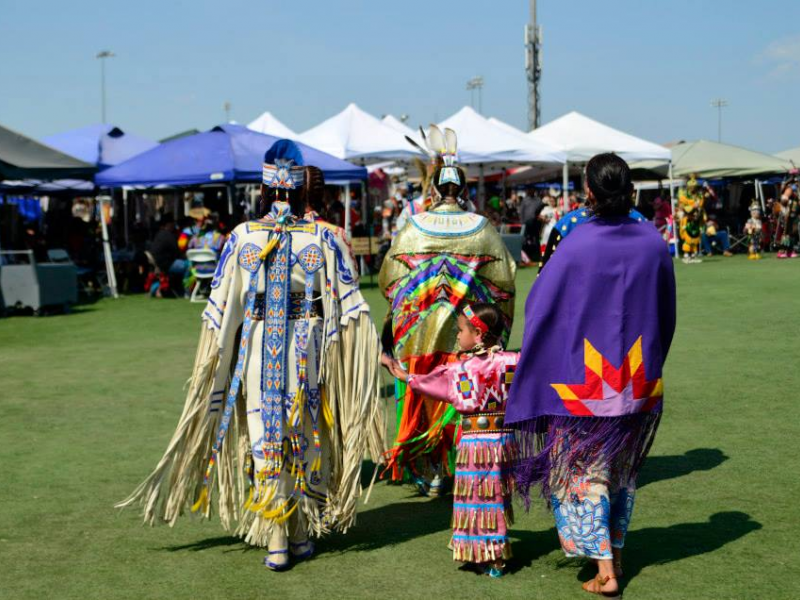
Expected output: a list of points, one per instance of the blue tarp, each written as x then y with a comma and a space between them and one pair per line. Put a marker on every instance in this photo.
226, 153
100, 145
29, 208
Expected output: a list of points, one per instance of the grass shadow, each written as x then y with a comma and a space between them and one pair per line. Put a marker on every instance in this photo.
48, 311
392, 524
662, 545
213, 542
662, 468
529, 546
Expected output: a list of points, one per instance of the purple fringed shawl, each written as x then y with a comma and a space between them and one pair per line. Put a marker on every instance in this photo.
598, 325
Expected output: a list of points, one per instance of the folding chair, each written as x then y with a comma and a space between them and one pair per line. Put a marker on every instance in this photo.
203, 264
738, 239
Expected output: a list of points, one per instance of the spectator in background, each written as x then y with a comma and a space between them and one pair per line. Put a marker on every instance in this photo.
209, 237
195, 230
547, 217
512, 209
662, 211
166, 253
34, 241
715, 239
335, 212
788, 216
574, 203
530, 205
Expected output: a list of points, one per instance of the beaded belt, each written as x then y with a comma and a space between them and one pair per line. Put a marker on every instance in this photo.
483, 422
297, 307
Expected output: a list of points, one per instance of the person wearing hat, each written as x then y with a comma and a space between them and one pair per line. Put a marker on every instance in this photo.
189, 234
284, 399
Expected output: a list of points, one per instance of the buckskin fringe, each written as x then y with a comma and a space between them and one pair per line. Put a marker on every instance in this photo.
489, 549
350, 375
176, 480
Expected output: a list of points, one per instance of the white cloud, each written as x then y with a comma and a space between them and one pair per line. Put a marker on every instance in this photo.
783, 55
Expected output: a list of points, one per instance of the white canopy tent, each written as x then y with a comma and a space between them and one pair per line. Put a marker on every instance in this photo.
356, 135
486, 144
792, 155
581, 138
269, 124
506, 126
398, 125
481, 141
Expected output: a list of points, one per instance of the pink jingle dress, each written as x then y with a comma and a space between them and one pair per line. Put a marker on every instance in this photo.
478, 389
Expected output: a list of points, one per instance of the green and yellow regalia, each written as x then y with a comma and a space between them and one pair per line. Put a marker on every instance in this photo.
443, 259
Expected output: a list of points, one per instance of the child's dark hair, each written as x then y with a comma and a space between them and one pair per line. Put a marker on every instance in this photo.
494, 320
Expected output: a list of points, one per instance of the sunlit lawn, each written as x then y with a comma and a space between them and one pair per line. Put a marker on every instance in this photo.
89, 400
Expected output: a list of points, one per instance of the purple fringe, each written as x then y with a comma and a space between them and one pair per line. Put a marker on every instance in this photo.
558, 445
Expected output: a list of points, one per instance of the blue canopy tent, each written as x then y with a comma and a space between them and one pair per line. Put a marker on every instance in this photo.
226, 153
100, 145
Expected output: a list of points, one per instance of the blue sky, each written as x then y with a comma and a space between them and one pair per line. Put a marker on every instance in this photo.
650, 67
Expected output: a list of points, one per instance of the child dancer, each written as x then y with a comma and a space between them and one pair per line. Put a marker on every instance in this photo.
477, 386
753, 229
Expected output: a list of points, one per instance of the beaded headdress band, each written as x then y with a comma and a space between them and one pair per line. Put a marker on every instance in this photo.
475, 320
283, 175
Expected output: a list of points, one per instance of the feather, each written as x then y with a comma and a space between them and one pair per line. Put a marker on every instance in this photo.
436, 142
423, 137
450, 141
425, 151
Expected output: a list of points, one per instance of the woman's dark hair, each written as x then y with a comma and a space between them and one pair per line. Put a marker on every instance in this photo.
310, 195
494, 319
315, 189
450, 189
609, 179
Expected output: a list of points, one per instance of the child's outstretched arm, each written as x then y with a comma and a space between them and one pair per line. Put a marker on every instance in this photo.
394, 367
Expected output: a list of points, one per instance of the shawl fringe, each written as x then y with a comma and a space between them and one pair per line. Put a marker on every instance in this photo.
552, 447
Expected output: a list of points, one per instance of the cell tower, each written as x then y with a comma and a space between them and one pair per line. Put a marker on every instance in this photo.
533, 67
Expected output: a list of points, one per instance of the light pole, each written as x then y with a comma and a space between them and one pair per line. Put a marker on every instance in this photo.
476, 83
102, 56
719, 104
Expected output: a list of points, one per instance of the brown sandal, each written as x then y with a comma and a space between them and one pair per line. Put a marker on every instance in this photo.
600, 582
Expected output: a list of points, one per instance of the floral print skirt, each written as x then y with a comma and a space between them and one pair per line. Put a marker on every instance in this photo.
592, 506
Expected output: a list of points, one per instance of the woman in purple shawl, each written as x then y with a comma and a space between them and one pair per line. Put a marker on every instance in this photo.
588, 393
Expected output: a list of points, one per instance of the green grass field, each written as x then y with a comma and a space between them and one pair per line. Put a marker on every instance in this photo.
89, 400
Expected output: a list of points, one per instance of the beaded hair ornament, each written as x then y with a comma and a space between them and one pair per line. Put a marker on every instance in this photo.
475, 320
445, 145
283, 175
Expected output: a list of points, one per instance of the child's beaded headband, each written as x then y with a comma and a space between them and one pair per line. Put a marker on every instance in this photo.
475, 320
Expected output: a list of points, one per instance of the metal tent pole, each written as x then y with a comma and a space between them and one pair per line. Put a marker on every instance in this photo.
112, 278
675, 225
347, 210
125, 216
